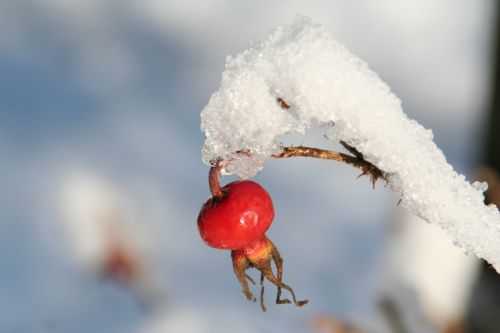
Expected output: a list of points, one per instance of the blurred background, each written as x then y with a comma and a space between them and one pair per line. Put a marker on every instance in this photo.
102, 178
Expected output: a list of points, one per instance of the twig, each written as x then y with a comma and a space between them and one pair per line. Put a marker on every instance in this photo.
392, 314
358, 161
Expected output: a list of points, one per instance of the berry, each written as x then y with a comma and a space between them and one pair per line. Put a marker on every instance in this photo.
236, 218
239, 218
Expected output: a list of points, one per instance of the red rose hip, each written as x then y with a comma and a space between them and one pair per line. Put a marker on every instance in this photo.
239, 218
236, 218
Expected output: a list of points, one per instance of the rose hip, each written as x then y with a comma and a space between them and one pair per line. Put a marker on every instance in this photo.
236, 218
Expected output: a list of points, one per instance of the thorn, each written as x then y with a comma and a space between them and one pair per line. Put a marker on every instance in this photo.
352, 150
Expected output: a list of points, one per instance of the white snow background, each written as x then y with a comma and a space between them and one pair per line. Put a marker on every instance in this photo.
117, 88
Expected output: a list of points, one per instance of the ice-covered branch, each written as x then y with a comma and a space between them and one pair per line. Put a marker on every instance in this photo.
321, 82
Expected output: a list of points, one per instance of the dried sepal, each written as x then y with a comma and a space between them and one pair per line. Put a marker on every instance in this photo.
260, 258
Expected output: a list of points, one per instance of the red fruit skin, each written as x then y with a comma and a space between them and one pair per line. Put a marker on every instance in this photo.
237, 220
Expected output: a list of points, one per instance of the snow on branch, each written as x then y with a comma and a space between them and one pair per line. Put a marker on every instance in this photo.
302, 66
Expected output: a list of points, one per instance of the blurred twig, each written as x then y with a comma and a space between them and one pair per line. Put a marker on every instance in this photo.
490, 176
392, 315
332, 324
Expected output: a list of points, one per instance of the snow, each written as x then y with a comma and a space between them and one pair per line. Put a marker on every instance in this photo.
325, 84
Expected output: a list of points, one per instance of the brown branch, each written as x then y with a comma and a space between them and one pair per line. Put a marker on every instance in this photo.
358, 161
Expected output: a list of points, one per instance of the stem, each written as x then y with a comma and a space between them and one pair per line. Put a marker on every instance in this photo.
357, 160
302, 151
213, 180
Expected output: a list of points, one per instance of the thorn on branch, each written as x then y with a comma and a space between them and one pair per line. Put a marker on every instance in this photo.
351, 149
367, 168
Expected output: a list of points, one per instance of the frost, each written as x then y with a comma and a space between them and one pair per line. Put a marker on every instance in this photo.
480, 186
325, 84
